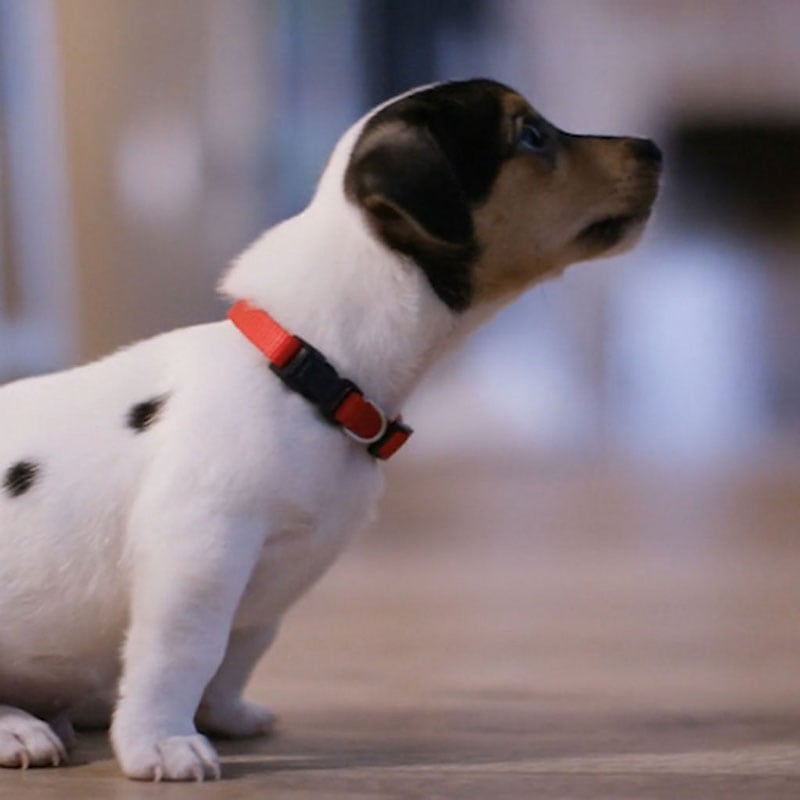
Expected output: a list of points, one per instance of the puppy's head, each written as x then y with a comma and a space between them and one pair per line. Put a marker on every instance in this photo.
487, 196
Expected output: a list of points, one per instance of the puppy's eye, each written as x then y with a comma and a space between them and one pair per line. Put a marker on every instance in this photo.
532, 138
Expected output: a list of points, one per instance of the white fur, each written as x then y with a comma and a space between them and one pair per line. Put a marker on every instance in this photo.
163, 561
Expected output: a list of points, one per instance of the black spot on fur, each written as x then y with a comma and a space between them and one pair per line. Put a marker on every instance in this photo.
20, 477
144, 414
419, 168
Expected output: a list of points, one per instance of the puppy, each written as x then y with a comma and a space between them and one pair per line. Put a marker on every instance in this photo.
160, 509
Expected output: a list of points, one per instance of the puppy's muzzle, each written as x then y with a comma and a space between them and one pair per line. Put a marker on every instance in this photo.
634, 181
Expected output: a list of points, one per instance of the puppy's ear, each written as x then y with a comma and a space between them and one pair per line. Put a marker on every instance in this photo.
404, 182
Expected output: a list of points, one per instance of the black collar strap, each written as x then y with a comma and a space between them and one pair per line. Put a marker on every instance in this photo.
306, 371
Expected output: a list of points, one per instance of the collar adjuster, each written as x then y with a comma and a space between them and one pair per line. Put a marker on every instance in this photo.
383, 425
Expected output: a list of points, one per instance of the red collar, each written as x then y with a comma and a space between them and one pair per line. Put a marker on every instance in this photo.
306, 371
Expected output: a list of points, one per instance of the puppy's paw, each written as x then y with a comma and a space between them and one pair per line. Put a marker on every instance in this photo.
239, 719
174, 758
26, 741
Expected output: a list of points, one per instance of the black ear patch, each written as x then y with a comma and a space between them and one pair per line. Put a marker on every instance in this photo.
20, 477
415, 204
143, 415
419, 168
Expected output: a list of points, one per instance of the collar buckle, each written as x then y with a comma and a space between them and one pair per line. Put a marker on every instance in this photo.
304, 370
313, 377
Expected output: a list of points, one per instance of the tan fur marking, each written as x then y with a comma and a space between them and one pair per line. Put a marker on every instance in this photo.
530, 225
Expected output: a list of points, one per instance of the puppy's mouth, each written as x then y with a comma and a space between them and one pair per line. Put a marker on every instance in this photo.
611, 231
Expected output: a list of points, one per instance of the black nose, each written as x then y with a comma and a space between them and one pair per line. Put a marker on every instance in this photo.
647, 150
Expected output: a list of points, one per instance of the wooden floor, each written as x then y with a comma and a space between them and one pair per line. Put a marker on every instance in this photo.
526, 631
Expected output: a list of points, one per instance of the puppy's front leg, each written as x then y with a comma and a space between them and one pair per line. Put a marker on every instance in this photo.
188, 578
223, 711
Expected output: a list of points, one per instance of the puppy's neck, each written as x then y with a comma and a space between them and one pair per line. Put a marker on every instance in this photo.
323, 276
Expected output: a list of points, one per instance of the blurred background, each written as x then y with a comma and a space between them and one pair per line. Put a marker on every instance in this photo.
144, 144
602, 500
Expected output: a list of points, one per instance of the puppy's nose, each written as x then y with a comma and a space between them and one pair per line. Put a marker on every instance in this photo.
647, 150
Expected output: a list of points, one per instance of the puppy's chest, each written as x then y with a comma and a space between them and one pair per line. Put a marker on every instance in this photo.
295, 554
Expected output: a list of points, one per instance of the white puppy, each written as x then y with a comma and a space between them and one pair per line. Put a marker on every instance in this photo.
160, 509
